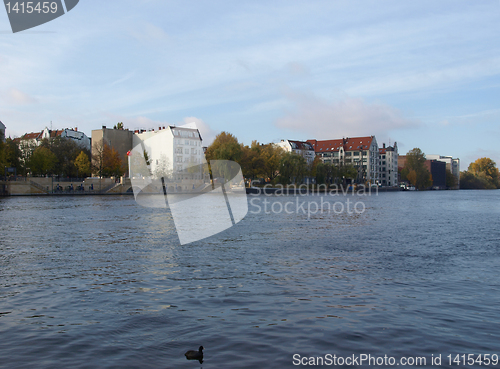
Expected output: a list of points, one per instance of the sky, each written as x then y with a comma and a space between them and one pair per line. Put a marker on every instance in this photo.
423, 74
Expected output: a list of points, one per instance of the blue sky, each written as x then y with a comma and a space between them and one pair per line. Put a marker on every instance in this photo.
423, 73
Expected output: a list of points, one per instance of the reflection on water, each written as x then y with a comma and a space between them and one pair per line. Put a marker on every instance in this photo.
103, 282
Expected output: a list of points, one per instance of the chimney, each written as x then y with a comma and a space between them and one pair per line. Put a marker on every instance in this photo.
383, 145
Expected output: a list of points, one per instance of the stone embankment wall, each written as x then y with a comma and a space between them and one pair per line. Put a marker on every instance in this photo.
48, 186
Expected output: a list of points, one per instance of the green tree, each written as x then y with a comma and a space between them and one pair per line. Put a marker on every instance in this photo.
314, 166
118, 125
43, 161
293, 169
66, 151
11, 156
451, 181
224, 147
252, 162
272, 156
416, 172
326, 173
347, 172
3, 160
82, 163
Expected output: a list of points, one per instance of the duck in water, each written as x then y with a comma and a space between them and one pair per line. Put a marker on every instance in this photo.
195, 355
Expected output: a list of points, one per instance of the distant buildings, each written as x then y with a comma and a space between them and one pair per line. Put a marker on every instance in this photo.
35, 138
437, 169
180, 148
302, 148
452, 164
30, 141
172, 151
388, 165
361, 152
2, 130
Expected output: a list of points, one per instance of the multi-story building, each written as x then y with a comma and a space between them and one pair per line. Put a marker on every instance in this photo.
437, 169
175, 153
452, 164
172, 153
361, 152
388, 165
119, 139
302, 148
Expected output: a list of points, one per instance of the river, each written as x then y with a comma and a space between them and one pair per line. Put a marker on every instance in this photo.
101, 282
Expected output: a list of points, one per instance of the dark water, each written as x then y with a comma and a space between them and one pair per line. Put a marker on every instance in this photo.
100, 282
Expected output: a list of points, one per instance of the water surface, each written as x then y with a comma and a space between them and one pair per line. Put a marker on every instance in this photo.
100, 282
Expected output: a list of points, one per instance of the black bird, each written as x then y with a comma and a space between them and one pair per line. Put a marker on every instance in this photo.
195, 355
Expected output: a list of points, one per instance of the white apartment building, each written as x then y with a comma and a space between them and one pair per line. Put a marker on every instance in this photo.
174, 153
388, 165
301, 148
361, 152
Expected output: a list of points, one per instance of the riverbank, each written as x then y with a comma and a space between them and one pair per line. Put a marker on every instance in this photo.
303, 190
48, 187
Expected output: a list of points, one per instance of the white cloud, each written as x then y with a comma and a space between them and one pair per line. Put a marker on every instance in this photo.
321, 119
207, 133
147, 32
17, 97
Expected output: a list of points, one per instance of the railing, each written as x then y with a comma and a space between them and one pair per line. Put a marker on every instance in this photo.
39, 186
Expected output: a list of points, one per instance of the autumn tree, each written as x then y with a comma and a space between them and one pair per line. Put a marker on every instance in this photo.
106, 161
272, 156
415, 170
82, 163
251, 161
112, 163
481, 174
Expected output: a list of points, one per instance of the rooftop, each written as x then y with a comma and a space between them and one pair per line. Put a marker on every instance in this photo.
348, 144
